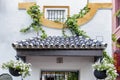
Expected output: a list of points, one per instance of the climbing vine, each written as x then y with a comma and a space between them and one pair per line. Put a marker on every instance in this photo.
36, 25
71, 23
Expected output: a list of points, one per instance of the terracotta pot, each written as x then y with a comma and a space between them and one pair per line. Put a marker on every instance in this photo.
100, 74
14, 72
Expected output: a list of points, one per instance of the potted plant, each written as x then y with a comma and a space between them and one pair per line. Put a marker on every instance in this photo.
106, 67
17, 68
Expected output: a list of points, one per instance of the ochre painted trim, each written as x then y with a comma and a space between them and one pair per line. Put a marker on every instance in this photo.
101, 5
93, 9
25, 5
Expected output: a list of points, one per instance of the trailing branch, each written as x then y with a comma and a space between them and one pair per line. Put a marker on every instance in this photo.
71, 23
36, 25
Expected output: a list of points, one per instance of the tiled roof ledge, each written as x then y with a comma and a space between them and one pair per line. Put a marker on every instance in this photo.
59, 46
57, 42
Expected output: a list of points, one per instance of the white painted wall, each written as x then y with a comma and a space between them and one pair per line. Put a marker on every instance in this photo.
83, 64
101, 25
12, 20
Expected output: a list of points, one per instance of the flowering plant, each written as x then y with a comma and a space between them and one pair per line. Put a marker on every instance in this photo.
107, 63
24, 68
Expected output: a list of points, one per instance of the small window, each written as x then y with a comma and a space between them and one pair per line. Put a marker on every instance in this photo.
59, 75
56, 13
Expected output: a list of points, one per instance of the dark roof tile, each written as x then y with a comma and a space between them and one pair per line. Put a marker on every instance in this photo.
57, 42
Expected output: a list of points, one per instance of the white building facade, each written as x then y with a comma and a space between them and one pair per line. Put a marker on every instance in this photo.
12, 20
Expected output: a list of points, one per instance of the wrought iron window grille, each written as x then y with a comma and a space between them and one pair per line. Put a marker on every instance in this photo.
60, 75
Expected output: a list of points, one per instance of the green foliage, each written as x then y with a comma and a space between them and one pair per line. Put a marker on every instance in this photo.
107, 63
63, 32
18, 65
71, 23
108, 58
57, 20
35, 15
118, 13
72, 76
82, 12
114, 39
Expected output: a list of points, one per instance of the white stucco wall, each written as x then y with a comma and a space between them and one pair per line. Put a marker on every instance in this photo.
12, 20
83, 64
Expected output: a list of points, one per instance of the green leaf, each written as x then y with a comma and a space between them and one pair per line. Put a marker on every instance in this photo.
43, 36
117, 13
35, 15
114, 39
25, 29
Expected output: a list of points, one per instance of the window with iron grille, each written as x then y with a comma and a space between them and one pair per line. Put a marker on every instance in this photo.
56, 13
60, 75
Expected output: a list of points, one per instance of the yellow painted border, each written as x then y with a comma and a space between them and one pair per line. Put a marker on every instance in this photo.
25, 5
93, 9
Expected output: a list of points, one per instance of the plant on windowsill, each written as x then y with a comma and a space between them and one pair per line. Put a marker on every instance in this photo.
36, 15
106, 66
17, 68
118, 13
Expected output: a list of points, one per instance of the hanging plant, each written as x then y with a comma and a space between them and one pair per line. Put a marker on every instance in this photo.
106, 65
17, 68
71, 23
36, 25
100, 74
14, 71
